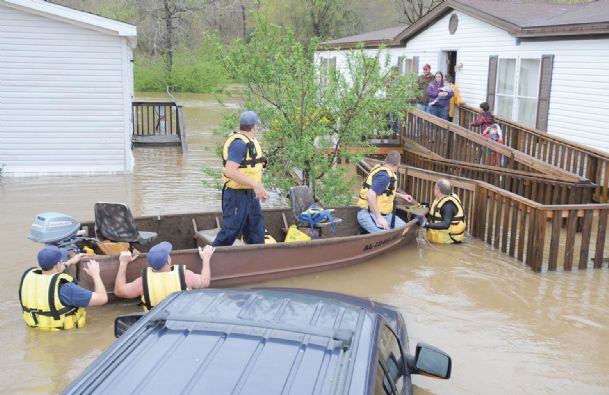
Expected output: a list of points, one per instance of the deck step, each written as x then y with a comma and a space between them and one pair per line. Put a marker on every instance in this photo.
156, 140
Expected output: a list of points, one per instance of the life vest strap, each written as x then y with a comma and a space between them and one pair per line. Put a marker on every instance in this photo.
146, 289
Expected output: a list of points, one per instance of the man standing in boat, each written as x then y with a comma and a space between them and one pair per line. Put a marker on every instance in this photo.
161, 278
243, 190
447, 219
51, 299
377, 196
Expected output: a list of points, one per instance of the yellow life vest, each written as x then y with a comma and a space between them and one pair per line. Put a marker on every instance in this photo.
294, 235
158, 285
251, 166
456, 232
42, 308
384, 201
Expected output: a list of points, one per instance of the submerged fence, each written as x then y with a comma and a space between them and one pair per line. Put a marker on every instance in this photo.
544, 237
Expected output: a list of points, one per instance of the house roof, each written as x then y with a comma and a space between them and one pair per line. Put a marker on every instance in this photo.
520, 18
524, 18
370, 39
75, 17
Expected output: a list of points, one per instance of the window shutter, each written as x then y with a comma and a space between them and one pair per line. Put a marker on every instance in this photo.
401, 64
415, 64
545, 87
492, 81
323, 70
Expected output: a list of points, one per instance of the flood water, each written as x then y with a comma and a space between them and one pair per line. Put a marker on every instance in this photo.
508, 330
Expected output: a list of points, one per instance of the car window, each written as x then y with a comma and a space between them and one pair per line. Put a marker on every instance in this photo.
388, 377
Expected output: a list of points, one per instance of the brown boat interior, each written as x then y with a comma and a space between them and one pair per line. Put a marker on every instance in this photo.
187, 231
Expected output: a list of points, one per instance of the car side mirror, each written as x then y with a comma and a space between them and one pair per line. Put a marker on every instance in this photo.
124, 322
430, 361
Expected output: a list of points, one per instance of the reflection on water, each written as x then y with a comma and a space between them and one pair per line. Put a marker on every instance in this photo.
508, 330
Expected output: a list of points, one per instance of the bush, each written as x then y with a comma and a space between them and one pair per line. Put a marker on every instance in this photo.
195, 72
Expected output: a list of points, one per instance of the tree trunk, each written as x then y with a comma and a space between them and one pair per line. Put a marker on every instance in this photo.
169, 37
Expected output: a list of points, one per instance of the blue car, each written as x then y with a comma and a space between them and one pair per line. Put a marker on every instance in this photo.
261, 341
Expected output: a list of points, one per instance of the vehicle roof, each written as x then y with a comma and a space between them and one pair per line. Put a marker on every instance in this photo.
244, 341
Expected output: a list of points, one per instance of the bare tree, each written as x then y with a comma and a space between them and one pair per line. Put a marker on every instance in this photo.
173, 14
412, 10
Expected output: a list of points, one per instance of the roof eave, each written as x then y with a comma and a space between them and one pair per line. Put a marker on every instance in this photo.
446, 7
355, 44
595, 29
78, 18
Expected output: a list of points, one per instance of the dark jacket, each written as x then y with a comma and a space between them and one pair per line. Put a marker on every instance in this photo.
423, 81
434, 90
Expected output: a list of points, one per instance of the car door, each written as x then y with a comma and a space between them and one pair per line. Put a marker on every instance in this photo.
389, 377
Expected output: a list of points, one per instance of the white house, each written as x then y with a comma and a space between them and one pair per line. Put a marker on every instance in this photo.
66, 86
543, 64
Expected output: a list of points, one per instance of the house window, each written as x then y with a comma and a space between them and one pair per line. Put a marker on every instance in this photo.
327, 66
406, 65
518, 89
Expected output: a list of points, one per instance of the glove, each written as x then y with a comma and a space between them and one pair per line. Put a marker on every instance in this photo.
420, 220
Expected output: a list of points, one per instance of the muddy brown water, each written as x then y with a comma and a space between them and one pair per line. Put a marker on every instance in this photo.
508, 330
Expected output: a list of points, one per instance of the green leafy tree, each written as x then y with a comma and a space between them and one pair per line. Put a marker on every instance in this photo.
309, 127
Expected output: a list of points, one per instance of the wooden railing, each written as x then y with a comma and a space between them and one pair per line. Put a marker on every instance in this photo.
454, 142
575, 158
544, 237
541, 188
161, 122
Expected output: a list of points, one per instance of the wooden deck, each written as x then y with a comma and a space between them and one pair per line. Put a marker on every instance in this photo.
158, 124
575, 158
533, 198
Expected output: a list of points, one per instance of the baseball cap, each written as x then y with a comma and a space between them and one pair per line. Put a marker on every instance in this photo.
427, 66
249, 118
49, 256
159, 254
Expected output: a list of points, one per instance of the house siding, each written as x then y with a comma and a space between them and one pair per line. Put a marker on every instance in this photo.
62, 97
579, 102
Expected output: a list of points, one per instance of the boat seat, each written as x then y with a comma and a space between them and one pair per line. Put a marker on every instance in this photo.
207, 236
115, 222
301, 199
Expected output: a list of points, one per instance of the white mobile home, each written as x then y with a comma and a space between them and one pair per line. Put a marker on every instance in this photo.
66, 87
540, 63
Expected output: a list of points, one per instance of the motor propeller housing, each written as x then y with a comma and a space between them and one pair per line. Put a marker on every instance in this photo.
53, 228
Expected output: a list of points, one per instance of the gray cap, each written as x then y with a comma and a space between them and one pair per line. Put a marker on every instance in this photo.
249, 118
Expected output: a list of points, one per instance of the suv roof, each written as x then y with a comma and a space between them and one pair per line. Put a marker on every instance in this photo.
246, 341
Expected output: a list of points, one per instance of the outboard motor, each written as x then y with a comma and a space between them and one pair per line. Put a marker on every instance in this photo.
56, 229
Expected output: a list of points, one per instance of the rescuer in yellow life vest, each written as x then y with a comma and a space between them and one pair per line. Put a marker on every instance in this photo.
51, 299
377, 196
243, 191
447, 219
161, 278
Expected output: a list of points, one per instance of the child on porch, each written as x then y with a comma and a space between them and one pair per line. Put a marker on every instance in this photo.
493, 132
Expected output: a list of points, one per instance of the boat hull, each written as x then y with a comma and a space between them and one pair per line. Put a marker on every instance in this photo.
239, 265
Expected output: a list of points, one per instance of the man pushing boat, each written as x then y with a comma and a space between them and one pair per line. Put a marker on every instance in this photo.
160, 278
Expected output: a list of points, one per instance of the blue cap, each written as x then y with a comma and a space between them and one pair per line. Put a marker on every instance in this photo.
50, 256
159, 254
249, 118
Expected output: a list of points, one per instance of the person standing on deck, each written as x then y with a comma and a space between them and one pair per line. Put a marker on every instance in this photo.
485, 118
439, 93
51, 299
160, 278
243, 189
447, 219
377, 196
423, 81
456, 100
